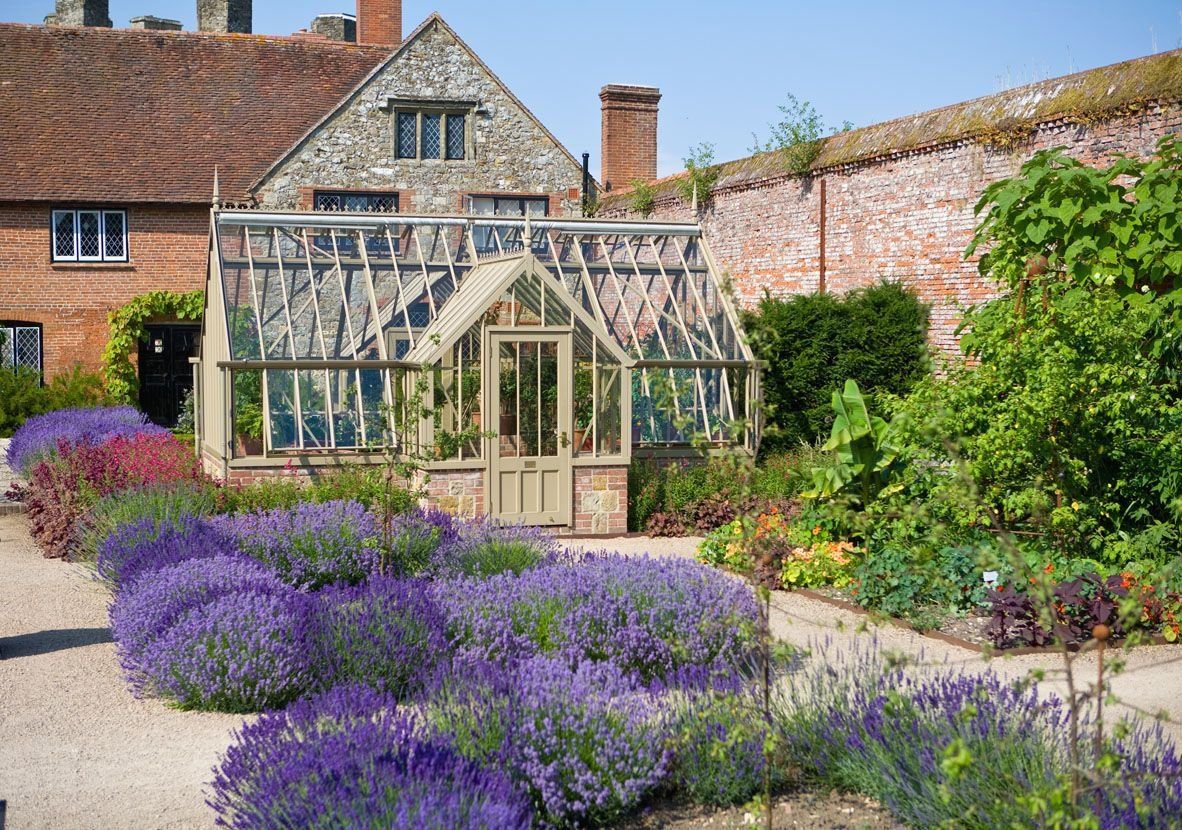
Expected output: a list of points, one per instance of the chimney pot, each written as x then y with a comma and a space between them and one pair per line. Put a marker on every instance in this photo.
379, 22
341, 27
149, 21
224, 16
80, 13
629, 132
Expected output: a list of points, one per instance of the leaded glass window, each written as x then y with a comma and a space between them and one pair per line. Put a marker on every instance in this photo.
431, 131
89, 235
456, 139
20, 347
408, 135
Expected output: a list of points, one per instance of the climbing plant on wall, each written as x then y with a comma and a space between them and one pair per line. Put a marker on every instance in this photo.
127, 326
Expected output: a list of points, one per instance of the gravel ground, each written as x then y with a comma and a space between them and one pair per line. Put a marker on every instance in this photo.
76, 749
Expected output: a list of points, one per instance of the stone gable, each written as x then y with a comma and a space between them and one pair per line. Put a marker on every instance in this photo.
354, 148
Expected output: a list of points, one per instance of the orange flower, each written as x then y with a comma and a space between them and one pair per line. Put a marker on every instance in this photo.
1050, 568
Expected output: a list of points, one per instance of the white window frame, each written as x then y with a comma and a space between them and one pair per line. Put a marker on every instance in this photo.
76, 214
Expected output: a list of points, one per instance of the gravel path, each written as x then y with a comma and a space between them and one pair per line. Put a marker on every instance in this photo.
76, 749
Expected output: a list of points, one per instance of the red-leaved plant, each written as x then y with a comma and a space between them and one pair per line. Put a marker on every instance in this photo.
63, 488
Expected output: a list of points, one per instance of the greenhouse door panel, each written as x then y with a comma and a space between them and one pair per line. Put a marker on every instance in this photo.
530, 456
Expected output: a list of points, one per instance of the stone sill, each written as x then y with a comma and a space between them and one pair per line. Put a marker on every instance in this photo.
89, 266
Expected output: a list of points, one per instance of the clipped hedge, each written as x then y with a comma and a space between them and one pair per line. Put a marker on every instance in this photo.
813, 343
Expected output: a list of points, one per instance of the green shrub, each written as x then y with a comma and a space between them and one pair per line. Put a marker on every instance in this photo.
813, 343
365, 484
22, 395
646, 492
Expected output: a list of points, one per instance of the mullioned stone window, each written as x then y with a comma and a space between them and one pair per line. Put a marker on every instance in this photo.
432, 132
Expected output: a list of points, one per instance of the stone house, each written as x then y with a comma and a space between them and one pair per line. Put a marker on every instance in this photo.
111, 140
896, 200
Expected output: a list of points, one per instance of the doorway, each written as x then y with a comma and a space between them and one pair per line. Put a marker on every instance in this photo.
529, 451
166, 376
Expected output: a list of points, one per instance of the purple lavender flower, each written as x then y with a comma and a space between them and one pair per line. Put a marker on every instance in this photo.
719, 743
147, 607
415, 537
39, 435
152, 543
668, 620
241, 652
311, 545
588, 741
387, 633
350, 758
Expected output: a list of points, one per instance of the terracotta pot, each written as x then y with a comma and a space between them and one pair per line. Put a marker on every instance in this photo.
245, 445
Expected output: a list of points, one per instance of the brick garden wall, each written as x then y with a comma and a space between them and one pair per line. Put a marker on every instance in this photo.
168, 249
907, 216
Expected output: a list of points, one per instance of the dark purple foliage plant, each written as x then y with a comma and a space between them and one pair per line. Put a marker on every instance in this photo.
387, 633
1078, 606
40, 435
311, 545
151, 543
669, 621
351, 758
147, 606
588, 741
244, 651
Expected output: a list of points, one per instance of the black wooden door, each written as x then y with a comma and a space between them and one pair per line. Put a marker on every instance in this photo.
166, 376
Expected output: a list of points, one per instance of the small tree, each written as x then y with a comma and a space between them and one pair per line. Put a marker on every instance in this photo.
797, 136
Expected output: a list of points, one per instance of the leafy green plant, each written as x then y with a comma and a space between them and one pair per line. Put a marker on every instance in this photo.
701, 175
865, 457
128, 327
23, 394
643, 197
796, 136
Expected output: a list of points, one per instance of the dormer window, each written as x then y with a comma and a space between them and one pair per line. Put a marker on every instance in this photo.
432, 133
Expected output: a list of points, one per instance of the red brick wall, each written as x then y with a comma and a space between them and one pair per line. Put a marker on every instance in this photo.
168, 249
905, 217
379, 22
629, 134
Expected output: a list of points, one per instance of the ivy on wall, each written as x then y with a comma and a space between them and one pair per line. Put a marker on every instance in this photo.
128, 327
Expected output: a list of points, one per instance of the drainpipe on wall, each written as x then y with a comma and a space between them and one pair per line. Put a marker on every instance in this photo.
821, 264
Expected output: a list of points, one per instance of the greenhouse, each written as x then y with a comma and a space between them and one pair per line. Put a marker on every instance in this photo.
522, 362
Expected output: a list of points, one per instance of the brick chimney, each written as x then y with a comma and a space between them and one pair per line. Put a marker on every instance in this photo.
80, 13
160, 24
629, 134
336, 27
379, 22
224, 16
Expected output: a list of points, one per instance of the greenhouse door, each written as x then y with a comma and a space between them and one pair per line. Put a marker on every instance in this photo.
529, 477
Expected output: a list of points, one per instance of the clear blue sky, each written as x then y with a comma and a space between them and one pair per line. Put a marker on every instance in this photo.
725, 66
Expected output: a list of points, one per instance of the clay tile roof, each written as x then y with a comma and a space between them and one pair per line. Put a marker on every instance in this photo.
143, 116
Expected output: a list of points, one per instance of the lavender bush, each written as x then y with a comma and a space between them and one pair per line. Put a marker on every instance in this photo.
311, 545
417, 536
386, 633
166, 503
482, 548
719, 747
39, 435
147, 607
151, 543
942, 748
241, 652
668, 620
589, 741
350, 758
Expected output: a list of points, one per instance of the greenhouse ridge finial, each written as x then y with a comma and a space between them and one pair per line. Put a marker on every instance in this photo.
527, 235
694, 206
217, 194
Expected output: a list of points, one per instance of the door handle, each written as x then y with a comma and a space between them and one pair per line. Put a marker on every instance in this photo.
563, 441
